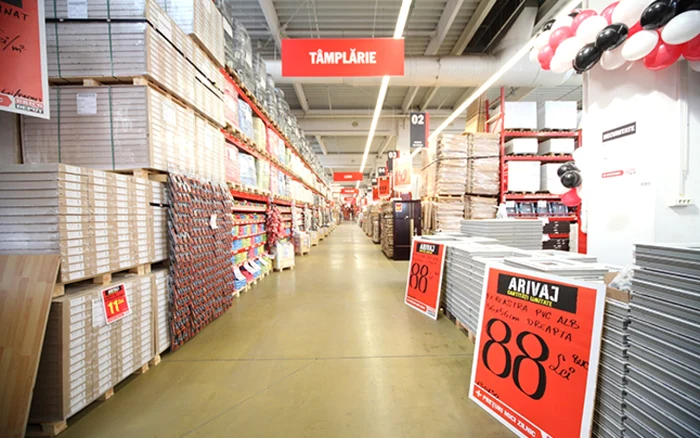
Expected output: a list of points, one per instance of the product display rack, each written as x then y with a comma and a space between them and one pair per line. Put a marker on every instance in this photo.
510, 198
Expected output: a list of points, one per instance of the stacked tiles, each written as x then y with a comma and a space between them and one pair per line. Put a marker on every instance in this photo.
452, 153
558, 263
483, 168
99, 222
608, 418
202, 21
518, 233
664, 381
161, 336
83, 356
549, 179
448, 213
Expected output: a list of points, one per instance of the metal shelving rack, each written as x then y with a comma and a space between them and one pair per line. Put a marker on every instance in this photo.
506, 135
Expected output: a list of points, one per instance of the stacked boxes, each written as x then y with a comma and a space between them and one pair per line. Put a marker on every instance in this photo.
201, 20
99, 222
83, 356
523, 176
483, 170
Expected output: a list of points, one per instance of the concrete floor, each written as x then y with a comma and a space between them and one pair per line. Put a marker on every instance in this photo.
326, 350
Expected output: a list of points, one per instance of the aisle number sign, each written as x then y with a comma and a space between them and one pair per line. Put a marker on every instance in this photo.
536, 357
424, 281
419, 129
115, 303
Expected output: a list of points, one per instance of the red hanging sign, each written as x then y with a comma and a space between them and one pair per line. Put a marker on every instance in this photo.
115, 304
375, 193
349, 191
384, 189
536, 354
24, 81
342, 57
425, 277
347, 176
350, 201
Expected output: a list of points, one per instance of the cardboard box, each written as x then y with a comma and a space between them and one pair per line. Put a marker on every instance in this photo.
520, 115
521, 146
557, 146
557, 115
616, 294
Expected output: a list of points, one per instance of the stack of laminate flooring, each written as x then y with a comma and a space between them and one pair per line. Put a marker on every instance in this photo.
518, 233
663, 397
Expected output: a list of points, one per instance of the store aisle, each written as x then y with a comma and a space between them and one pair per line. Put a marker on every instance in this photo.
326, 350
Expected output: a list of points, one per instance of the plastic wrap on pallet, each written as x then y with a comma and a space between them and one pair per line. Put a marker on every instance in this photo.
245, 119
210, 152
259, 133
260, 76
477, 207
271, 98
231, 116
274, 180
233, 170
201, 20
248, 170
263, 174
130, 127
448, 214
239, 49
483, 176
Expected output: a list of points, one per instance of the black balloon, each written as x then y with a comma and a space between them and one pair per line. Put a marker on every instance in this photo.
681, 6
565, 168
571, 179
574, 13
587, 57
548, 25
611, 36
656, 15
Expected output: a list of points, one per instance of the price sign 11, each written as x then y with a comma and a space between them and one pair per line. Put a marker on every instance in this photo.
115, 303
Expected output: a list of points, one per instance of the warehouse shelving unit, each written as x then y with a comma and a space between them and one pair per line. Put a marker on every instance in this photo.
505, 136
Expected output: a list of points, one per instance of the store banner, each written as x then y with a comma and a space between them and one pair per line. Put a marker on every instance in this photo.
425, 276
375, 194
536, 354
402, 174
342, 57
347, 176
349, 191
24, 82
350, 201
419, 129
384, 188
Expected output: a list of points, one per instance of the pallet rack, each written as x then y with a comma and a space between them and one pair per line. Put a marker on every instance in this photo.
505, 135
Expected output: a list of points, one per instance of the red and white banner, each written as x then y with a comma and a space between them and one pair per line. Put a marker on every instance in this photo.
347, 176
342, 57
402, 174
536, 354
349, 191
384, 188
24, 83
424, 276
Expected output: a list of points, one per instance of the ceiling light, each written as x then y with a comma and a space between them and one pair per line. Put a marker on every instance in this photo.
398, 33
496, 76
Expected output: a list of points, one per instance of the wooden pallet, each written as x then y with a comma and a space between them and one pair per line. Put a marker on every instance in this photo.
150, 174
291, 268
463, 328
103, 278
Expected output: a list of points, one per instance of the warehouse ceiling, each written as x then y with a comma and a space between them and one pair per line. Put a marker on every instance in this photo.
434, 28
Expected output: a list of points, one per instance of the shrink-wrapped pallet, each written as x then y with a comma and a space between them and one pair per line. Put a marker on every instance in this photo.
233, 170
248, 169
448, 214
130, 126
483, 176
202, 21
478, 207
259, 133
263, 174
230, 105
210, 151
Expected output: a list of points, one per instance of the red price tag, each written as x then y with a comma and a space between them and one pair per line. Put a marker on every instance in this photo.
536, 354
425, 277
115, 303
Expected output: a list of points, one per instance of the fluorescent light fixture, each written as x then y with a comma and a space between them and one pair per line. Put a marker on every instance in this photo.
398, 33
496, 76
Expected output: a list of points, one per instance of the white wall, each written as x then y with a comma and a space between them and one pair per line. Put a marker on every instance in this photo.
634, 207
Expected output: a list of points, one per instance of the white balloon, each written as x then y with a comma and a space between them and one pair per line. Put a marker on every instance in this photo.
559, 65
590, 27
542, 40
556, 187
682, 28
640, 45
694, 65
568, 48
629, 11
612, 59
561, 22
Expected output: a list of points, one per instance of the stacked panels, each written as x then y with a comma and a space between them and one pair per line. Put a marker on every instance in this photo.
478, 207
448, 213
483, 169
518, 233
549, 179
202, 20
664, 380
161, 338
608, 418
99, 222
561, 265
452, 153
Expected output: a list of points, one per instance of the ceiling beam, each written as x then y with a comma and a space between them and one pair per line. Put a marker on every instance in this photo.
472, 26
428, 98
468, 92
357, 114
273, 23
346, 133
443, 27
384, 145
322, 145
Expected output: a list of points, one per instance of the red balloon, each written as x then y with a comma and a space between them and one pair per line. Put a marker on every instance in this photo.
634, 29
691, 49
545, 57
662, 56
571, 198
558, 35
607, 12
578, 19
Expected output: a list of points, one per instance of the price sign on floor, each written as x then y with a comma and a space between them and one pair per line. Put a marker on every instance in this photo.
425, 277
536, 356
115, 303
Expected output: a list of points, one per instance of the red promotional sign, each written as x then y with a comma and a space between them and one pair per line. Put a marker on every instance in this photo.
350, 201
347, 176
349, 191
342, 57
375, 193
402, 174
536, 355
425, 277
384, 189
115, 303
24, 86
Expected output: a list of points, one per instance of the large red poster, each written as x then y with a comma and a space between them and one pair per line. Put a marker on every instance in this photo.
425, 277
24, 84
536, 356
